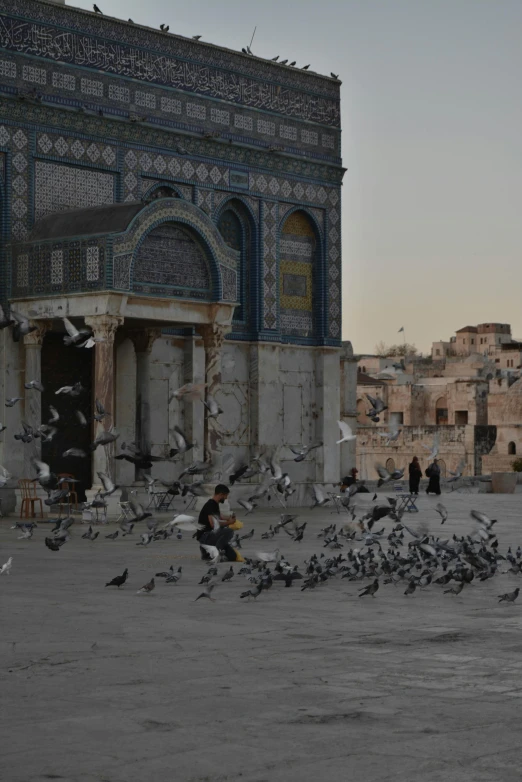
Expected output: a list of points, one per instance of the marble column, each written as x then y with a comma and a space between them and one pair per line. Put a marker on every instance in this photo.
194, 372
104, 329
213, 335
348, 405
328, 402
32, 398
143, 341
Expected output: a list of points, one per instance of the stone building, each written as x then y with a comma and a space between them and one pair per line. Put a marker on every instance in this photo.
184, 202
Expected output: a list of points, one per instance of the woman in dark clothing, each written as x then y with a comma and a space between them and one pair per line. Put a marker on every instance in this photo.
415, 475
433, 473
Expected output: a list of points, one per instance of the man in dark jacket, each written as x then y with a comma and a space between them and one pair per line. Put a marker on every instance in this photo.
215, 532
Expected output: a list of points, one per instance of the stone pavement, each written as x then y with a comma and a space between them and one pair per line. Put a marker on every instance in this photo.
107, 685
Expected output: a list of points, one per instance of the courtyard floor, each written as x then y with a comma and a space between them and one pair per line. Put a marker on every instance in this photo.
108, 685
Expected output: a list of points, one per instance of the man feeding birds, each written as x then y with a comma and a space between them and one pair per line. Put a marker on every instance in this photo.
215, 532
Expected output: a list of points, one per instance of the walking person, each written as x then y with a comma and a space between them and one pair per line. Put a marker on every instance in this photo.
415, 475
433, 473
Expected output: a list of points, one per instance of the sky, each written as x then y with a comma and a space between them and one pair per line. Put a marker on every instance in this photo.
432, 130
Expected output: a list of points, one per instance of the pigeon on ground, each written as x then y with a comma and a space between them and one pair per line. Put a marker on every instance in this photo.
113, 535
145, 539
118, 581
509, 597
371, 589
147, 588
54, 545
252, 592
456, 590
207, 593
229, 574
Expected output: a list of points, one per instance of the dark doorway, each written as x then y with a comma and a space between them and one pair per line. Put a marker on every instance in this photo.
64, 366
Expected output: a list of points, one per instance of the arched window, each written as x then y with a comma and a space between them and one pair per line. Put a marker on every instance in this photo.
235, 228
512, 448
390, 465
297, 271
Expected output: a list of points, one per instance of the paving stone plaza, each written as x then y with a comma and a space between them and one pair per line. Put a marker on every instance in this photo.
100, 684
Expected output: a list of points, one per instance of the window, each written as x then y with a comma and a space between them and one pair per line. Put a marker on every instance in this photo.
437, 352
461, 417
396, 419
234, 227
472, 341
512, 448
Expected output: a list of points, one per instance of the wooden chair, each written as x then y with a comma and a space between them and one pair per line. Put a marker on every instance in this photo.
29, 498
73, 496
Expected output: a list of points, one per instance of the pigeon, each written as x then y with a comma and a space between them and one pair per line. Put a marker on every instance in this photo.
173, 578
391, 436
100, 411
6, 567
139, 514
12, 402
305, 67
113, 535
371, 589
27, 533
196, 37
55, 417
108, 485
126, 527
213, 552
96, 9
104, 438
81, 417
147, 588
182, 443
377, 407
189, 392
412, 586
292, 64
248, 506
145, 539
456, 590
212, 406
229, 574
54, 545
252, 593
34, 384
74, 390
434, 449
74, 452
118, 581
22, 326
334, 75
509, 597
207, 593
346, 431
319, 497
458, 472
283, 62
302, 453
44, 472
4, 321
441, 510
385, 476
80, 339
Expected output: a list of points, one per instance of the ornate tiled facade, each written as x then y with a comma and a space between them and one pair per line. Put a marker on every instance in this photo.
84, 123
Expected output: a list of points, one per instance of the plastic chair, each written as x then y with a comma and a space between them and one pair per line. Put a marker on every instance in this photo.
29, 498
72, 499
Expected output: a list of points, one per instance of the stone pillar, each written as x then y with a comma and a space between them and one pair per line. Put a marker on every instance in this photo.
143, 341
213, 335
349, 406
266, 399
32, 398
327, 399
194, 372
104, 328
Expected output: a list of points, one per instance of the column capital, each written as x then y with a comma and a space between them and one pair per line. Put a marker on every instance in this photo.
36, 337
144, 339
104, 326
213, 334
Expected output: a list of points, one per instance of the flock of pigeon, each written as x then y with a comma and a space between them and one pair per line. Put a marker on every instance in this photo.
245, 50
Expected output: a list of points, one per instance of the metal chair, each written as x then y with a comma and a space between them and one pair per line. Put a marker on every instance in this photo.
72, 497
29, 498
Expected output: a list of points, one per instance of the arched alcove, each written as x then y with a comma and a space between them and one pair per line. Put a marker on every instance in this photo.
390, 465
235, 225
298, 251
512, 448
441, 411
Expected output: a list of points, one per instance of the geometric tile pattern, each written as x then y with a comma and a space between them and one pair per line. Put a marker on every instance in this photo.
270, 220
204, 201
229, 282
334, 263
76, 149
60, 187
297, 249
172, 261
295, 285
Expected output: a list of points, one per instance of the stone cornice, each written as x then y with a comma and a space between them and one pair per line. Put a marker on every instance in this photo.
108, 129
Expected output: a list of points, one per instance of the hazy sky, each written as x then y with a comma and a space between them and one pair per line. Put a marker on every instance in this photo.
432, 135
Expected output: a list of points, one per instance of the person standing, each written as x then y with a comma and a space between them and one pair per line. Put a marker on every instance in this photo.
415, 475
433, 473
215, 532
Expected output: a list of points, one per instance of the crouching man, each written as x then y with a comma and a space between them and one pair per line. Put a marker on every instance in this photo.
215, 532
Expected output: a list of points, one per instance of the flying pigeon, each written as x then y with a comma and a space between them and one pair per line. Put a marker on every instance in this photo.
34, 384
207, 593
441, 510
346, 431
6, 567
22, 326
